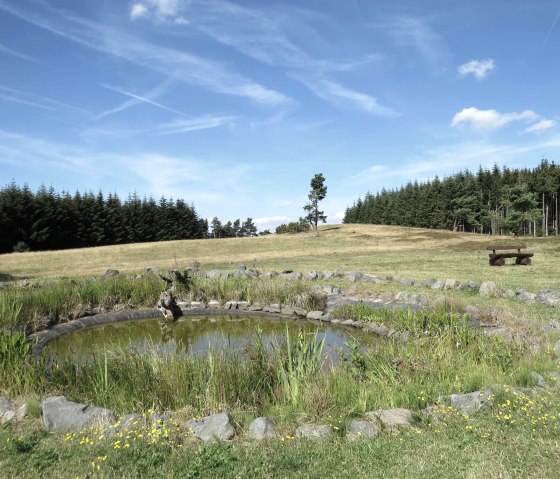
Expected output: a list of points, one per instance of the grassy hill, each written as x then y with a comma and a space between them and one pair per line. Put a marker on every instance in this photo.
384, 250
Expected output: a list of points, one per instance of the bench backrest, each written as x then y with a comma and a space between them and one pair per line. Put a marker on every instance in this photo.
503, 247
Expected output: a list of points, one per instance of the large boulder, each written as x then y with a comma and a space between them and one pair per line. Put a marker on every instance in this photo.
548, 298
62, 415
211, 428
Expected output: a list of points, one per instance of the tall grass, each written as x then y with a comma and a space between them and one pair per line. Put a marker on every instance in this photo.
58, 301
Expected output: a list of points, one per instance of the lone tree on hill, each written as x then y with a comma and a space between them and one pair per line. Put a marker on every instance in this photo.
317, 193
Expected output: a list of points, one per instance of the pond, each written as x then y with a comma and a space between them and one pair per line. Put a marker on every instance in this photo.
199, 335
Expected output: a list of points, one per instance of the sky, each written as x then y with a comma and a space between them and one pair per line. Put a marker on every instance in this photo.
234, 105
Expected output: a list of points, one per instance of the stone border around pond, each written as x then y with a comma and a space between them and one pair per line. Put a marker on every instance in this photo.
231, 308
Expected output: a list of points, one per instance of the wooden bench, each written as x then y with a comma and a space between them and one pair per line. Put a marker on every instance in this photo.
498, 259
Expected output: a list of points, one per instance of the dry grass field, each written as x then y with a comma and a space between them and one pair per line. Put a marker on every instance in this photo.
384, 250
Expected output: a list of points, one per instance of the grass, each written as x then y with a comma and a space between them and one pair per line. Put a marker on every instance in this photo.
518, 437
384, 250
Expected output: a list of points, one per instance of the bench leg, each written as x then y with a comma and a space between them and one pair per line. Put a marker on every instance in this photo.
497, 261
523, 261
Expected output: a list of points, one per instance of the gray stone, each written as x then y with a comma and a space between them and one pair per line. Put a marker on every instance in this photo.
262, 428
273, 308
314, 315
472, 285
111, 273
214, 304
197, 305
312, 276
295, 275
526, 296
314, 432
508, 293
7, 416
21, 412
539, 380
270, 274
371, 278
242, 305
5, 405
451, 284
327, 274
61, 415
211, 428
255, 307
391, 418
551, 327
24, 282
214, 274
471, 403
354, 276
548, 298
489, 288
438, 284
404, 281
288, 310
361, 430
230, 305
301, 312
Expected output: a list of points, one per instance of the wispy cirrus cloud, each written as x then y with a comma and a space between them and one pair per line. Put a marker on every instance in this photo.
13, 53
541, 126
418, 34
193, 124
173, 63
36, 101
342, 96
159, 10
135, 100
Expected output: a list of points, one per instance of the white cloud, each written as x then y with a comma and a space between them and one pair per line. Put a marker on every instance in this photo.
182, 21
490, 119
138, 10
271, 219
286, 203
541, 126
479, 68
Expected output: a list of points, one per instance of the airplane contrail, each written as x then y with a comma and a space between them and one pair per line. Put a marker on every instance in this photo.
552, 26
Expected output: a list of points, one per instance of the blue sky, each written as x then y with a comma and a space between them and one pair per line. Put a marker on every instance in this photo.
235, 105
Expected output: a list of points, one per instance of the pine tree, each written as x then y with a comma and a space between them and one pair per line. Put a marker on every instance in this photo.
318, 193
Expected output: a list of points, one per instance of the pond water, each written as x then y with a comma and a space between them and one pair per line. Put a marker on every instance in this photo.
199, 335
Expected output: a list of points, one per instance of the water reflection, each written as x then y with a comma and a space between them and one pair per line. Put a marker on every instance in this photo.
198, 336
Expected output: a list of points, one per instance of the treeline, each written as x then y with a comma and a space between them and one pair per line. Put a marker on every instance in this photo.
300, 226
234, 229
47, 220
497, 201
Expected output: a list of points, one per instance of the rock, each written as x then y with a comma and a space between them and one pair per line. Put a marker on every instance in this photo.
314, 315
242, 305
262, 428
24, 283
230, 305
391, 419
314, 432
302, 313
5, 405
404, 281
214, 304
451, 284
288, 310
243, 272
508, 293
214, 274
21, 412
61, 415
312, 276
526, 296
551, 327
539, 380
371, 278
471, 402
255, 307
472, 285
438, 284
197, 305
270, 274
361, 430
273, 308
354, 276
327, 274
111, 273
548, 298
211, 428
292, 276
489, 288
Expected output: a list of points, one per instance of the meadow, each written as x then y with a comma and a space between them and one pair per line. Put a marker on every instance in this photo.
518, 437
